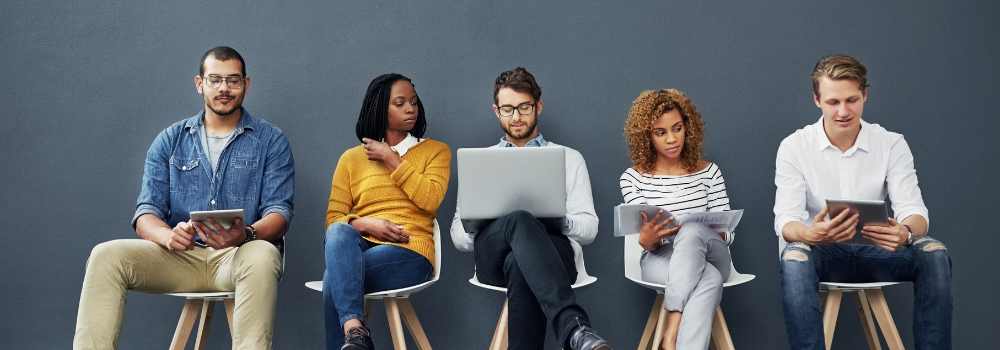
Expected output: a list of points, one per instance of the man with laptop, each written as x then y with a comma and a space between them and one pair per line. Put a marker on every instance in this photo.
220, 159
842, 157
529, 249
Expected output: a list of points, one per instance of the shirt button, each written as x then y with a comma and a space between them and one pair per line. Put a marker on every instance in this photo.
213, 201
184, 168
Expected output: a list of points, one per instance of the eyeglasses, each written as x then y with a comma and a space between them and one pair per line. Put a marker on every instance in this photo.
523, 109
233, 81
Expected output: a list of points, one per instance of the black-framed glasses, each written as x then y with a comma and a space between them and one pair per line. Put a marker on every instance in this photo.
523, 109
233, 81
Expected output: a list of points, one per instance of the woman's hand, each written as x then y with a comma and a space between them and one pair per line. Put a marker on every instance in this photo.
382, 229
653, 231
380, 151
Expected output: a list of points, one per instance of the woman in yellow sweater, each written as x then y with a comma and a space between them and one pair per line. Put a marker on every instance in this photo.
380, 220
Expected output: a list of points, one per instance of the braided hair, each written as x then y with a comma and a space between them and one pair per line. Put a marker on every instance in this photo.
374, 116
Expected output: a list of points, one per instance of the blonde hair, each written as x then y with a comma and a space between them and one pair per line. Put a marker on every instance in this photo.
649, 106
839, 67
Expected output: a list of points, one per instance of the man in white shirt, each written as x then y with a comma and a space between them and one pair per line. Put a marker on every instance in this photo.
516, 251
842, 157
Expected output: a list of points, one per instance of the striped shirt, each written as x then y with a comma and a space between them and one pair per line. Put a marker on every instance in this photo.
704, 190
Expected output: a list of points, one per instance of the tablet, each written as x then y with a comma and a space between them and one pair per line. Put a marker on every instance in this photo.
871, 213
226, 218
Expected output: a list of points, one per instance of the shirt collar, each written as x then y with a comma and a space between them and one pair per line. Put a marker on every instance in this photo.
403, 146
861, 143
198, 122
535, 142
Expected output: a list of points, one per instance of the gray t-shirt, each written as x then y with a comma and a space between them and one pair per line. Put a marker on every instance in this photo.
214, 145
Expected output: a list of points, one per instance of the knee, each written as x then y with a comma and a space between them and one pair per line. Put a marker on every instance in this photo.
519, 216
340, 233
929, 245
258, 257
108, 253
694, 231
795, 252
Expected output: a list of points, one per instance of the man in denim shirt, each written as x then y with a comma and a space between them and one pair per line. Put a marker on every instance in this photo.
222, 158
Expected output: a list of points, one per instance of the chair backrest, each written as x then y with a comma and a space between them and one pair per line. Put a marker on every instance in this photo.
437, 251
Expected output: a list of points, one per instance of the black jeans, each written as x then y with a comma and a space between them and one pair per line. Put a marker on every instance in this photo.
537, 268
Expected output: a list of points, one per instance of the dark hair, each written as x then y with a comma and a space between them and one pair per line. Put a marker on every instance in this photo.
840, 67
374, 116
222, 53
519, 80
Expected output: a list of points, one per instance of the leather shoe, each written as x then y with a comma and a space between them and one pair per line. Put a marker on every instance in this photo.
358, 338
584, 338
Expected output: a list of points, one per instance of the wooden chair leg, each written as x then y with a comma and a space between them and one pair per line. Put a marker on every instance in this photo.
499, 341
207, 310
230, 305
368, 309
831, 308
413, 324
720, 332
646, 342
661, 322
189, 314
395, 323
881, 310
867, 323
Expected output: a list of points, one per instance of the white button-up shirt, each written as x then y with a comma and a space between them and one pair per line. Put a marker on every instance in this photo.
809, 170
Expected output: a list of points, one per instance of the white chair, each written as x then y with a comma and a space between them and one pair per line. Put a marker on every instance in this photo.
653, 332
397, 303
869, 298
499, 341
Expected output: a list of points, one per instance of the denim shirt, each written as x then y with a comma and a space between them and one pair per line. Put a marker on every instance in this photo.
535, 142
256, 173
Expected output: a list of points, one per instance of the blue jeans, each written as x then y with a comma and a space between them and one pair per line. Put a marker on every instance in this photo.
355, 267
925, 263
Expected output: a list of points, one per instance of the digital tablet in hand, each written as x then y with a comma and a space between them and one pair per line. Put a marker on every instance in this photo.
226, 218
871, 213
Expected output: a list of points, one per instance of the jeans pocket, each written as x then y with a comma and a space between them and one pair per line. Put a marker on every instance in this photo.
243, 181
183, 176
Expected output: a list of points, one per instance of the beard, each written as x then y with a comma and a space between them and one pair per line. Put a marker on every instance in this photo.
227, 111
527, 131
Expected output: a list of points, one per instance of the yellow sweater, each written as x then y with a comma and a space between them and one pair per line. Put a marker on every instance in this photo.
408, 196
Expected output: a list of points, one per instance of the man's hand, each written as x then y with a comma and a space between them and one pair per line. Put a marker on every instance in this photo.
381, 151
224, 238
653, 231
382, 229
888, 237
840, 228
181, 238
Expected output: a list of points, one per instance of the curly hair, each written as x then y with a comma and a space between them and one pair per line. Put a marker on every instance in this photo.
519, 80
645, 110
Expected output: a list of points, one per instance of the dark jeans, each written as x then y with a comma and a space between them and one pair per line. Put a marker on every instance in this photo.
925, 263
537, 268
354, 267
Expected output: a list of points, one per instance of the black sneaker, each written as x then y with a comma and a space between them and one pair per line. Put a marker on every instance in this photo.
584, 338
358, 338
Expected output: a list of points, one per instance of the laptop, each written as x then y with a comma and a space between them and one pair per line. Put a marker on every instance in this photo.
492, 182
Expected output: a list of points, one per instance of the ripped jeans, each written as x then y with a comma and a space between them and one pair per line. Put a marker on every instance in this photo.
925, 263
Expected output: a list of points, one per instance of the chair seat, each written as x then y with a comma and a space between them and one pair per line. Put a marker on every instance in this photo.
402, 292
216, 296
856, 286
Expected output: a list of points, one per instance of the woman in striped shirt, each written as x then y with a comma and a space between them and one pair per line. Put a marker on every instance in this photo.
665, 135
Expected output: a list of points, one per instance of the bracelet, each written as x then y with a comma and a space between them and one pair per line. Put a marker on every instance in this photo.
251, 234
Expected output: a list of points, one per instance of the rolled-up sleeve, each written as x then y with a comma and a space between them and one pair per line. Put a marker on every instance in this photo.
154, 198
278, 180
901, 181
790, 196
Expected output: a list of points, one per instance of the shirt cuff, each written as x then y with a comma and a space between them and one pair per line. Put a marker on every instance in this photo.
287, 213
143, 209
781, 225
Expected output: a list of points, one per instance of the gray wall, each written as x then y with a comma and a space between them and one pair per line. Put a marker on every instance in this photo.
88, 85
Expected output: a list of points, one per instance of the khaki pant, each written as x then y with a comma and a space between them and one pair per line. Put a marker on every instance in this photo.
115, 267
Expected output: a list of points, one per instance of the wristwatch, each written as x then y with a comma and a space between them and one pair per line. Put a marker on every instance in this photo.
909, 239
251, 234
